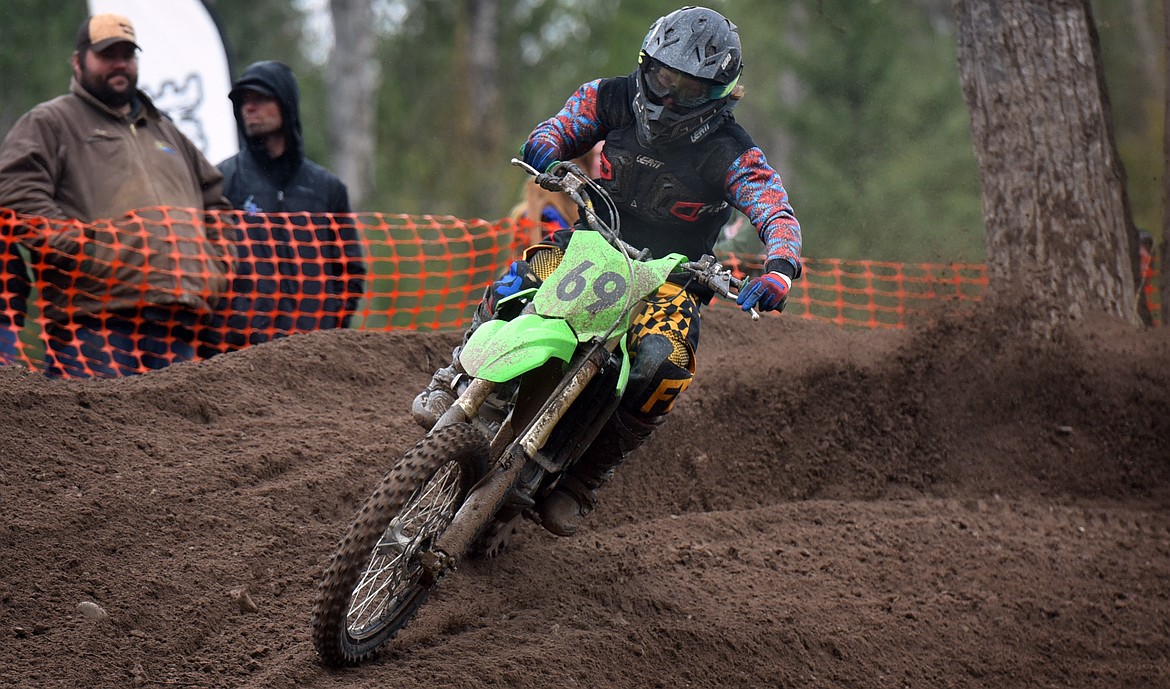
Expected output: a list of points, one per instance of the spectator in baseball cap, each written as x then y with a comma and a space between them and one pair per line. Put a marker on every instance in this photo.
104, 30
100, 153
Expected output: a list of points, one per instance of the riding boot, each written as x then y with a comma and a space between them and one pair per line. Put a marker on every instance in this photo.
440, 393
575, 495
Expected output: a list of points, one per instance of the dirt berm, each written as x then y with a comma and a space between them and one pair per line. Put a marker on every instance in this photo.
954, 505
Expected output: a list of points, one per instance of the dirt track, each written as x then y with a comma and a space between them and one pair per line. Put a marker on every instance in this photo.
953, 506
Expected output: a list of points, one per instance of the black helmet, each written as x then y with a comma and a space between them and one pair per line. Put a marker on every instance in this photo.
688, 67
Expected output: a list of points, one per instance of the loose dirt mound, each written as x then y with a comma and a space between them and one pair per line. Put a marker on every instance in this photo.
953, 506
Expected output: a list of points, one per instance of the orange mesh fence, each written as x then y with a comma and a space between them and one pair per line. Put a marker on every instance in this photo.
164, 284
430, 272
1148, 270
1149, 294
871, 294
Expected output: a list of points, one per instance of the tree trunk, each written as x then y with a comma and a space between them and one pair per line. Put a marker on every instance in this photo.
477, 36
354, 75
1054, 200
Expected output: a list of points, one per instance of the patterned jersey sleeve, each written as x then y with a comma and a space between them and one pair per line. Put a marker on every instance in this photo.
574, 130
757, 191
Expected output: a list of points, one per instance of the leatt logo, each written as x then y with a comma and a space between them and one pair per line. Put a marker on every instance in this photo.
649, 162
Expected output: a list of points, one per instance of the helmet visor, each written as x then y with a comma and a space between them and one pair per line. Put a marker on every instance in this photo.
678, 90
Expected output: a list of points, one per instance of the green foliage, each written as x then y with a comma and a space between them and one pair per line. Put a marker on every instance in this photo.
1135, 74
883, 167
36, 40
545, 52
418, 115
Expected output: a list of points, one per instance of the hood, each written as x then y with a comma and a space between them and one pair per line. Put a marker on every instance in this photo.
276, 78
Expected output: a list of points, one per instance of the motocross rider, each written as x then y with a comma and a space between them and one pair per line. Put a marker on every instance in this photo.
675, 162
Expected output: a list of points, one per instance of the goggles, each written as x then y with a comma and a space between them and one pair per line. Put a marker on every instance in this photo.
676, 89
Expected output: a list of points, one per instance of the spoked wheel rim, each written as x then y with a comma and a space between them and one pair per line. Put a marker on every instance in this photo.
390, 581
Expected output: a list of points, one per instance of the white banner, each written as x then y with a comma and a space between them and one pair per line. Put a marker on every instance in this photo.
183, 68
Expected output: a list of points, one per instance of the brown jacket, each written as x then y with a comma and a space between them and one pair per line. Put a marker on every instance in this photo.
75, 158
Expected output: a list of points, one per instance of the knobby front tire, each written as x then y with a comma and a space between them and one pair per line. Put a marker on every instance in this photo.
375, 584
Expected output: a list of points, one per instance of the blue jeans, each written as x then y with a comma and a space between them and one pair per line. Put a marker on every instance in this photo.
121, 343
14, 293
9, 332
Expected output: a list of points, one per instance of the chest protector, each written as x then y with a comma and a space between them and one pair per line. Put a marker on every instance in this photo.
671, 198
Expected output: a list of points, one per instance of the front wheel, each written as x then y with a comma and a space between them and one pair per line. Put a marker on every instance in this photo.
377, 580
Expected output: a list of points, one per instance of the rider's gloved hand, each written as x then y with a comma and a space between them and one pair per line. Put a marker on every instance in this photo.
768, 292
520, 276
539, 155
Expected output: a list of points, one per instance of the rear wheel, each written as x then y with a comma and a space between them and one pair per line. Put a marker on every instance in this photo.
377, 578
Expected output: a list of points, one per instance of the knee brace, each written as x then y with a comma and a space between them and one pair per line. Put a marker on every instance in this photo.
663, 367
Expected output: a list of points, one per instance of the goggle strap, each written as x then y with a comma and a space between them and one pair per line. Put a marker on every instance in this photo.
717, 93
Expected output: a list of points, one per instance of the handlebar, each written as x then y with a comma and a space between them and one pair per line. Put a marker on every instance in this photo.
710, 273
571, 180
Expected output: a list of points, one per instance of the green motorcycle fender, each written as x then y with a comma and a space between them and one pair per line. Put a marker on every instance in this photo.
539, 339
542, 338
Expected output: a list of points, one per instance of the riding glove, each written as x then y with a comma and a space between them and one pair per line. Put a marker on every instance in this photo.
519, 277
539, 155
769, 292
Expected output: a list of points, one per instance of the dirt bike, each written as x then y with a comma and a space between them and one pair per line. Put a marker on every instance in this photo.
541, 380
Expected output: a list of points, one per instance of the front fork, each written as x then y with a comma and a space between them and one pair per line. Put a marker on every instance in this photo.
494, 489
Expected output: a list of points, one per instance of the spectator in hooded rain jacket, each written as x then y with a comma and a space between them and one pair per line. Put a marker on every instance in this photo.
271, 176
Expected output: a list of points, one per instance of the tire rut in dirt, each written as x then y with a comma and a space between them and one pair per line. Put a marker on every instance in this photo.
411, 507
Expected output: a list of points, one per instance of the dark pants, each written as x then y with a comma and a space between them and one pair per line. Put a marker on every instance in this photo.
121, 343
294, 274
